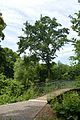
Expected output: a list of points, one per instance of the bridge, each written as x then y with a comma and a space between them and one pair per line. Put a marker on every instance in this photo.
31, 109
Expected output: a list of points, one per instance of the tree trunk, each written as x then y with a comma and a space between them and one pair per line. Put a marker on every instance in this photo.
48, 69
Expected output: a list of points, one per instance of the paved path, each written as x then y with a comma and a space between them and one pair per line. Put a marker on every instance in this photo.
21, 110
54, 93
25, 110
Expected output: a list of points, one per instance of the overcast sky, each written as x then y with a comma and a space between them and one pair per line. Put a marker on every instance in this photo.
17, 12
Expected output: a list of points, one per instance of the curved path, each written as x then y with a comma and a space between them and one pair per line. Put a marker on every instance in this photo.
26, 110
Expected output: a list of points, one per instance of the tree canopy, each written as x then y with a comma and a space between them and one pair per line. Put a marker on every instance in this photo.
43, 39
76, 27
76, 22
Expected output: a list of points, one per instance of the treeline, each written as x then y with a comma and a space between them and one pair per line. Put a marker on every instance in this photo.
21, 77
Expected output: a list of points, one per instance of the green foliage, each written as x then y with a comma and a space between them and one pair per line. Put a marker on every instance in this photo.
7, 56
67, 106
74, 72
7, 60
76, 22
77, 83
41, 73
60, 71
76, 42
2, 59
30, 93
43, 39
13, 90
37, 73
24, 71
2, 27
76, 59
28, 70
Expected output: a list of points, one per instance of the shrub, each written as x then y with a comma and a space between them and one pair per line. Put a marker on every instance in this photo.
13, 90
67, 106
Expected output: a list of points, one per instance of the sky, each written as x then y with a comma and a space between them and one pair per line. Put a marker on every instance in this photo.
17, 12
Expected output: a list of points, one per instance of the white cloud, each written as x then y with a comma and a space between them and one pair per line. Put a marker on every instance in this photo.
16, 12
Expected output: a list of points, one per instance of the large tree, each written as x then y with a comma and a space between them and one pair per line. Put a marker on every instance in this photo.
75, 20
43, 38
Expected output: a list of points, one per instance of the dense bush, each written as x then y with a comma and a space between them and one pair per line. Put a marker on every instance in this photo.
13, 90
67, 106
